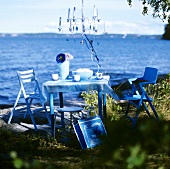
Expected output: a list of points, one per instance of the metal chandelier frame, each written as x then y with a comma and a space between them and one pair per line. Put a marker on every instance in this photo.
73, 26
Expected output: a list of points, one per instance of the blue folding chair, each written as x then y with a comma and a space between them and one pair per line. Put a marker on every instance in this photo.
28, 81
137, 95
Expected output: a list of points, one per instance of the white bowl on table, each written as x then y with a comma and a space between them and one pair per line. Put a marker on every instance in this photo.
84, 73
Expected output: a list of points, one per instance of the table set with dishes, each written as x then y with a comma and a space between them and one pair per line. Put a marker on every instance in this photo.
80, 80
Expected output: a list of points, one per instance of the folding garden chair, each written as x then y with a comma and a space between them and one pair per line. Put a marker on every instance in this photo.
29, 84
138, 96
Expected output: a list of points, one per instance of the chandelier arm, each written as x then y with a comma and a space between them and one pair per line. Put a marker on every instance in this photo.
92, 48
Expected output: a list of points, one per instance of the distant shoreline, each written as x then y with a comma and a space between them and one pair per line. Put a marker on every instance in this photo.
76, 35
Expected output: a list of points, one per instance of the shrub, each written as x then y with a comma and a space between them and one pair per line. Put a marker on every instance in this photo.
91, 99
161, 94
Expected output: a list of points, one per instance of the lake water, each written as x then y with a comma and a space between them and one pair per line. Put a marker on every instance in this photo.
120, 57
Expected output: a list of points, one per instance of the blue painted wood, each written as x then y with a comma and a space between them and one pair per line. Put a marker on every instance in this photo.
89, 131
30, 79
52, 113
71, 110
138, 95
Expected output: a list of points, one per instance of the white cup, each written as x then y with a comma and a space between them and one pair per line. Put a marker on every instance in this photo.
99, 75
76, 78
55, 76
74, 72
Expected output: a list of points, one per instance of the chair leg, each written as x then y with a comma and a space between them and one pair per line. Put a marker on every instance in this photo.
81, 115
127, 109
135, 118
54, 125
146, 109
62, 119
72, 118
32, 118
13, 109
25, 114
71, 121
31, 115
153, 109
27, 111
11, 115
48, 118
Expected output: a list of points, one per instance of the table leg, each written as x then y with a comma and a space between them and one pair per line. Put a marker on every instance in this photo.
61, 99
104, 105
52, 114
100, 96
62, 105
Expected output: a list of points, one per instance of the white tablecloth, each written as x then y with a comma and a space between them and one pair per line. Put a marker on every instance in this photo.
71, 86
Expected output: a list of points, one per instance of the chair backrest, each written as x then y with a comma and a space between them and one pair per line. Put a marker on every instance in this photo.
28, 77
150, 74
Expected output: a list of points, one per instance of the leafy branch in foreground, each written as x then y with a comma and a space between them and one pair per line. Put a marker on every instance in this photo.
160, 8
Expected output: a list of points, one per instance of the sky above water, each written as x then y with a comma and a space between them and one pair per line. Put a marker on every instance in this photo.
41, 16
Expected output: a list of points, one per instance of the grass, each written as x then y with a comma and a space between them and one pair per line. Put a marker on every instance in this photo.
146, 146
49, 153
149, 138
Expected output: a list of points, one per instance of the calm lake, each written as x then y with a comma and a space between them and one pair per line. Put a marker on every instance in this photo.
120, 56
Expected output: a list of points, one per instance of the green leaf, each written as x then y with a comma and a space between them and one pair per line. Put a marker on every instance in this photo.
18, 163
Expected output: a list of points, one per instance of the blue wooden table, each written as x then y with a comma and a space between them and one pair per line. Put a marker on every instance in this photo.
60, 86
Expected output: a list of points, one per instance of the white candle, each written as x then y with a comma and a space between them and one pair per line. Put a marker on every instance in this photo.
68, 15
94, 12
60, 22
74, 13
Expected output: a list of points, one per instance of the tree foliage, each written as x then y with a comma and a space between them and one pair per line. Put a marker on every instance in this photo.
161, 8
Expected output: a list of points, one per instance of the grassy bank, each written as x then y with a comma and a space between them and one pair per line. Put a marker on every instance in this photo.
145, 147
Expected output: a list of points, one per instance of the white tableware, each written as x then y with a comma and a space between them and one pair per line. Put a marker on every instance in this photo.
76, 78
55, 76
99, 75
74, 72
84, 73
106, 77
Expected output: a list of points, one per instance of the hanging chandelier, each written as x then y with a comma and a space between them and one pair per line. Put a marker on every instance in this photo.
84, 24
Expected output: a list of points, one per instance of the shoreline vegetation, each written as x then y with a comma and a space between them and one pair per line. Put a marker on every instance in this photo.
146, 146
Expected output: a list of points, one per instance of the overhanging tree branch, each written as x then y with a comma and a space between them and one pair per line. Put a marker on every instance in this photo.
161, 8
